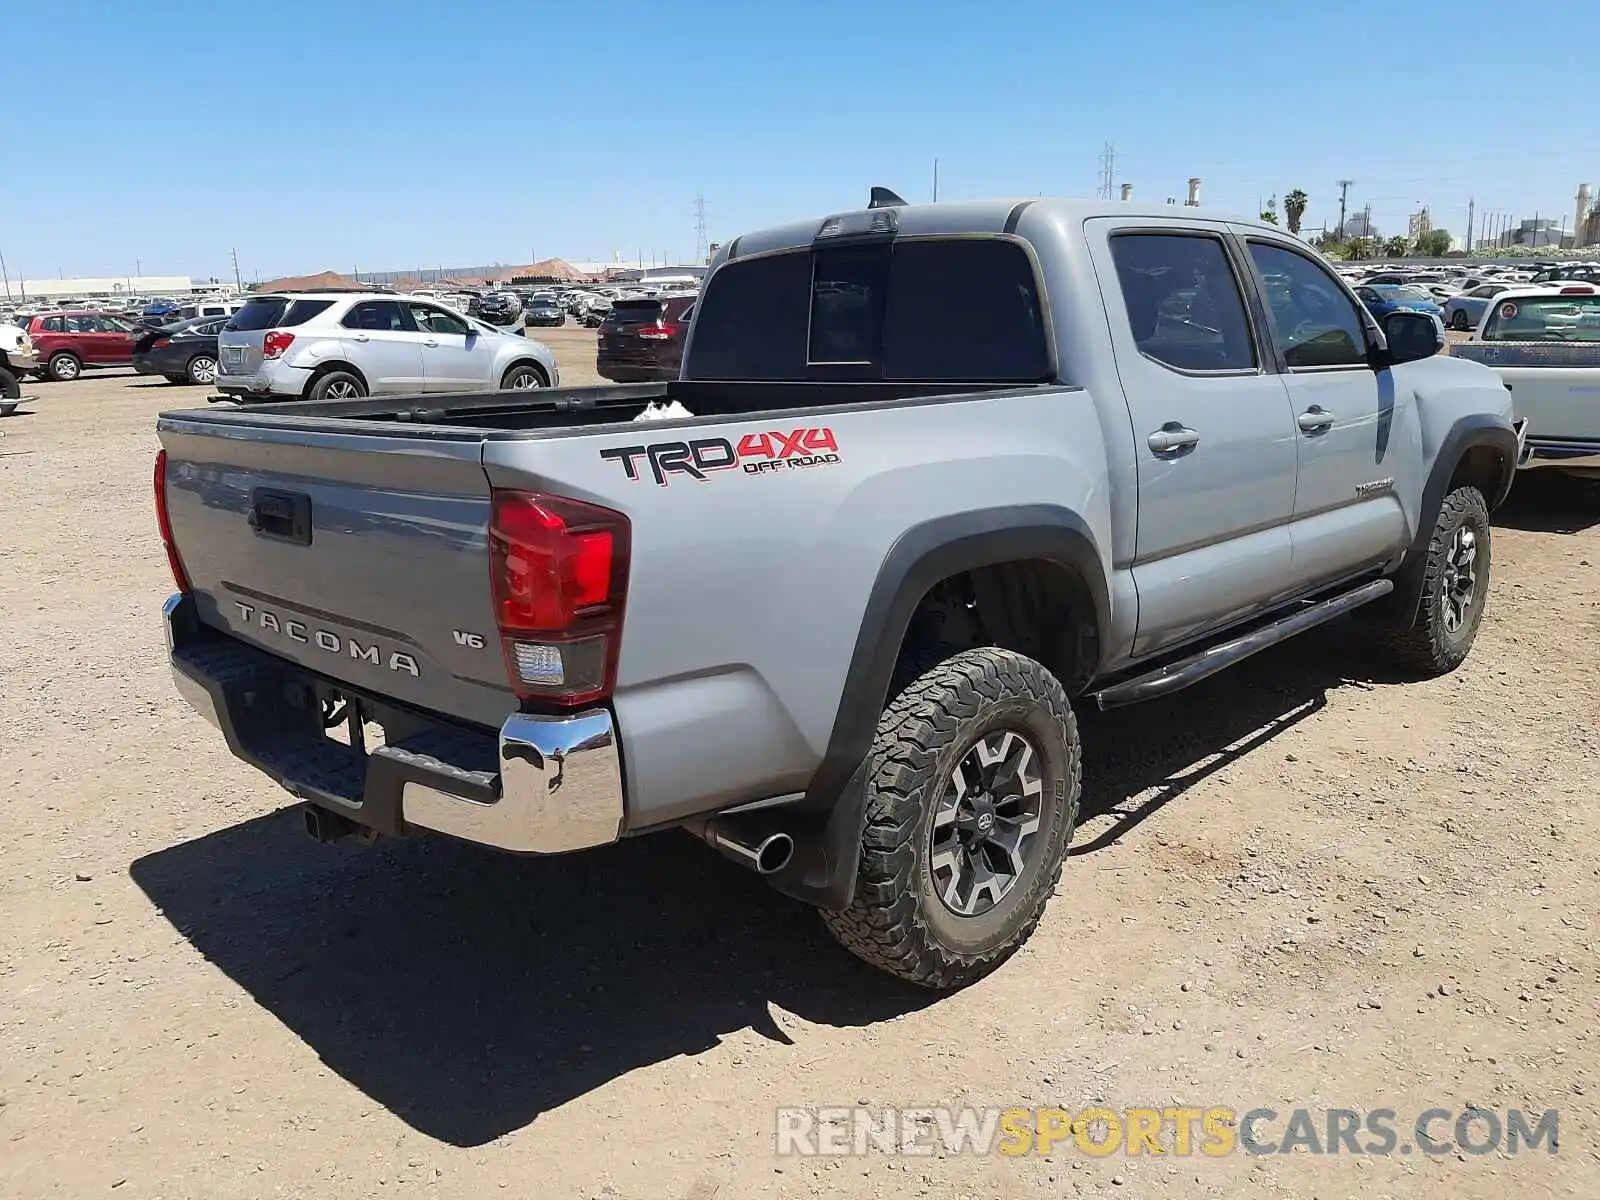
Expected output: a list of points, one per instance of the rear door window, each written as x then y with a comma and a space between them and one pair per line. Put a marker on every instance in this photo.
380, 316
1183, 300
942, 309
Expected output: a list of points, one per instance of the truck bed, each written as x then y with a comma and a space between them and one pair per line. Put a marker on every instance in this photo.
561, 408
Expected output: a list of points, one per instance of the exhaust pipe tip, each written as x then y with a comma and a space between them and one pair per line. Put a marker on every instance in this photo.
773, 853
765, 854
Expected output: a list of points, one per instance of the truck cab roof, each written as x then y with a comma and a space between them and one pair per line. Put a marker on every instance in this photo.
977, 216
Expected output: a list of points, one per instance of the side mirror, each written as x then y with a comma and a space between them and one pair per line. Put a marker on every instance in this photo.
1412, 336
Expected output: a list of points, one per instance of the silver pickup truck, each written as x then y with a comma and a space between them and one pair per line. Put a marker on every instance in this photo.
945, 472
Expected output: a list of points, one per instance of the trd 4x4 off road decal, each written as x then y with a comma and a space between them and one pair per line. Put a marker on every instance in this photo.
757, 454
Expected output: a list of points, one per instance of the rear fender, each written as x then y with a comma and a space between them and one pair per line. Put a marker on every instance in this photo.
827, 823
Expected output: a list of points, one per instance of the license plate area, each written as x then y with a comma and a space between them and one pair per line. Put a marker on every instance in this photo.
233, 356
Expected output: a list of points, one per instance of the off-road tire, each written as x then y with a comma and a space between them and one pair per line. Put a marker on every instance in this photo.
897, 921
63, 367
1426, 647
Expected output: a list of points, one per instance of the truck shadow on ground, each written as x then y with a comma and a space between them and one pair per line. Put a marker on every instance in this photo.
468, 992
1546, 501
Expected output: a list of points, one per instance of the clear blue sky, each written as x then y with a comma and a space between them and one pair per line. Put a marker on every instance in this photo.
390, 135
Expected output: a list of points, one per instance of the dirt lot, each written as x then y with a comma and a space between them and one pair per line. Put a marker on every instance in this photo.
1303, 884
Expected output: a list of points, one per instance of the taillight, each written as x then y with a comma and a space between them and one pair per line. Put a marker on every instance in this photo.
660, 332
160, 342
275, 343
558, 571
179, 575
1581, 289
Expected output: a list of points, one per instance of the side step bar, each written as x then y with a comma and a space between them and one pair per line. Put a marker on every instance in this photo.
1173, 677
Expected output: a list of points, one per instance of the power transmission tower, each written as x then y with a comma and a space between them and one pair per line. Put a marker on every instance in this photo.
702, 250
1108, 171
1344, 187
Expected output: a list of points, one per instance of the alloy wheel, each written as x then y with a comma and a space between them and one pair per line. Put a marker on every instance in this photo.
342, 390
979, 842
1460, 584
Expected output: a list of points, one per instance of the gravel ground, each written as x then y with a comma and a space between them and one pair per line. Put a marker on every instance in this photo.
1301, 884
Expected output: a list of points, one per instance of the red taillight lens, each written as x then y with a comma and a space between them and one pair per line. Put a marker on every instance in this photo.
1579, 289
160, 342
179, 575
275, 343
558, 571
658, 333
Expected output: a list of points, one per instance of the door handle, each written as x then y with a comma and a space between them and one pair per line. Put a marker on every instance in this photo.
1315, 419
361, 337
1172, 438
430, 342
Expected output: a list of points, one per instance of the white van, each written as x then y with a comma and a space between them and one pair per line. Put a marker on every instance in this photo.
207, 308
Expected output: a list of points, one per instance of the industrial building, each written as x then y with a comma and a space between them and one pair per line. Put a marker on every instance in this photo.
107, 288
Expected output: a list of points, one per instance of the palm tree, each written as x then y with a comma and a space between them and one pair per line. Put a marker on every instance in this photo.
1396, 247
1294, 207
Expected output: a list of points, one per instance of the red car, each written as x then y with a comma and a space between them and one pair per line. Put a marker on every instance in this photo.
67, 342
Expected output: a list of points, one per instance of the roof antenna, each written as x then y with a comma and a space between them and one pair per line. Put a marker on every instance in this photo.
882, 197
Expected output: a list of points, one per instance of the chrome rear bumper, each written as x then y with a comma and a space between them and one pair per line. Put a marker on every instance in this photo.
544, 785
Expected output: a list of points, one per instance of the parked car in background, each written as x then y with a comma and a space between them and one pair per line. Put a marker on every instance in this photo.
1465, 310
544, 312
642, 340
208, 308
342, 345
1382, 299
498, 308
185, 352
68, 342
1544, 341
16, 360
160, 310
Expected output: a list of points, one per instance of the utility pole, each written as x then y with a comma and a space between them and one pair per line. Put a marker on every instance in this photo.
1344, 187
237, 282
4, 277
702, 243
936, 181
1470, 203
1108, 171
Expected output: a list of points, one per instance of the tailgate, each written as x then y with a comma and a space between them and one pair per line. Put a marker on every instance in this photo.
1554, 385
360, 555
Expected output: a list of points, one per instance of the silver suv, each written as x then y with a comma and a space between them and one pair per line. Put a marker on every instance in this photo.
343, 345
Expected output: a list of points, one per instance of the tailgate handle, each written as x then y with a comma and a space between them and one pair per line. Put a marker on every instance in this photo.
285, 516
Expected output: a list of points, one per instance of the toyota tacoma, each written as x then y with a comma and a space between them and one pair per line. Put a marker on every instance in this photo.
931, 477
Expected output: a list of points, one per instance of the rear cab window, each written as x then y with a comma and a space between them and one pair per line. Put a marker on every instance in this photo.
876, 311
1573, 318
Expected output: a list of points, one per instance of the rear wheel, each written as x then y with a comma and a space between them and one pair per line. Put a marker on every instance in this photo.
63, 367
202, 369
337, 385
1458, 320
10, 385
972, 792
522, 378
